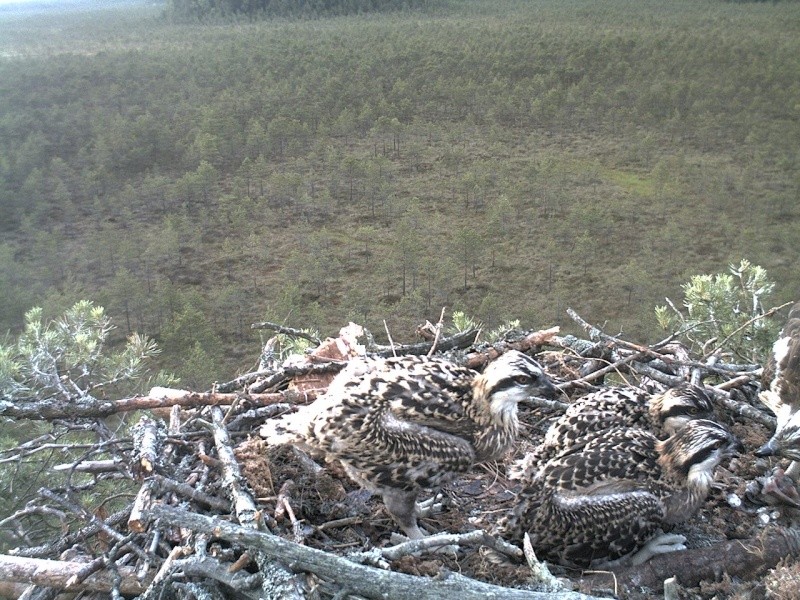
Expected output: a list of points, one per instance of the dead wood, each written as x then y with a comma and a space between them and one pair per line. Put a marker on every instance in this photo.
136, 522
478, 360
51, 409
247, 513
459, 341
243, 503
741, 409
92, 466
56, 574
357, 579
148, 438
748, 559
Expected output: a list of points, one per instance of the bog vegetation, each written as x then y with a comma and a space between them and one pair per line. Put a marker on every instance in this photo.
502, 158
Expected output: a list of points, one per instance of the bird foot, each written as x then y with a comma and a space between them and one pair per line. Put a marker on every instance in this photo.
661, 544
779, 489
431, 506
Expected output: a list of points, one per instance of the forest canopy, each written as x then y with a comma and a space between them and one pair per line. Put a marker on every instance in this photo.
200, 9
505, 159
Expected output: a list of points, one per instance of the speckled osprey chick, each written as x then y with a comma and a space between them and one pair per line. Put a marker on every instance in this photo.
613, 491
661, 414
402, 424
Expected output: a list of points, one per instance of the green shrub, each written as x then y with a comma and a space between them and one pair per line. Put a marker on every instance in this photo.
724, 313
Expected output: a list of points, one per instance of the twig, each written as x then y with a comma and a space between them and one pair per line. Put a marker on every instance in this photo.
389, 337
243, 380
473, 538
92, 529
615, 366
462, 339
36, 510
91, 518
438, 333
277, 378
290, 331
345, 522
595, 332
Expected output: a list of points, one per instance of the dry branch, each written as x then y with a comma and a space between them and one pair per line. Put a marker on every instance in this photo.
478, 360
136, 522
148, 437
742, 409
52, 409
461, 340
56, 574
92, 466
361, 580
244, 505
87, 532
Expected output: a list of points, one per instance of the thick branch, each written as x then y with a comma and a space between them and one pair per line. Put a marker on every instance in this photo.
148, 438
245, 506
55, 574
357, 579
53, 409
742, 409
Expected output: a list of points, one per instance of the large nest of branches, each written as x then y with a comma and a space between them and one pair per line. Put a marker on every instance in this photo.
194, 504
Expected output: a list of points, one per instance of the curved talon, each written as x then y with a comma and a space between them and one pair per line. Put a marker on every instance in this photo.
429, 507
661, 544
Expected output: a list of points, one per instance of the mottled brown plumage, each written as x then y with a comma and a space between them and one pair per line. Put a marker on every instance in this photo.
661, 414
399, 425
780, 384
613, 490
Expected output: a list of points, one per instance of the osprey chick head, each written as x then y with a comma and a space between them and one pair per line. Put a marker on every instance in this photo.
508, 380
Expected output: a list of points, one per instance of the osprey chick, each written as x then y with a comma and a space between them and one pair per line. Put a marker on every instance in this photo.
402, 424
661, 414
780, 384
613, 491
